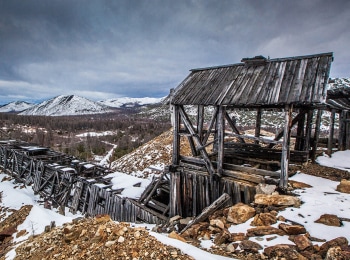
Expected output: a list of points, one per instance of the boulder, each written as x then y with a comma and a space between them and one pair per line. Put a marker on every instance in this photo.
222, 238
264, 219
292, 229
339, 241
282, 251
329, 220
250, 246
264, 230
240, 213
276, 200
344, 186
302, 242
337, 253
264, 188
217, 223
298, 184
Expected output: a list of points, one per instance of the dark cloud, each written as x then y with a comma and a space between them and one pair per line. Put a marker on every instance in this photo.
104, 49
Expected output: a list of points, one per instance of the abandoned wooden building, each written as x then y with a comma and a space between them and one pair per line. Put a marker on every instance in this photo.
295, 86
223, 161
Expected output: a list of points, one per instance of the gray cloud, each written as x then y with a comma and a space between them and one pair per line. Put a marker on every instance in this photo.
106, 49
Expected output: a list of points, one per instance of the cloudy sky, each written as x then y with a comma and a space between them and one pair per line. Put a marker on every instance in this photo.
126, 48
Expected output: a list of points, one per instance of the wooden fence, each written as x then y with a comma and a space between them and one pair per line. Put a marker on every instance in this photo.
67, 182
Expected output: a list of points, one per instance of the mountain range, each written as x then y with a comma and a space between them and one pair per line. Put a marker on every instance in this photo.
74, 105
68, 105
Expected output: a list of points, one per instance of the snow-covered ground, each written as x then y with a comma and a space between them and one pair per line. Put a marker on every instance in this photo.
320, 199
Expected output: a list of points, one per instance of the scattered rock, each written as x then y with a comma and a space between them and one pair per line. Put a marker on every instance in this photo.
250, 246
264, 219
339, 241
264, 230
217, 223
263, 188
344, 186
135, 243
175, 235
292, 229
287, 252
329, 220
240, 213
223, 237
302, 242
277, 200
336, 253
298, 184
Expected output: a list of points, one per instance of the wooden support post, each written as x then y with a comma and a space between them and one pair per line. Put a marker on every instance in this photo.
281, 132
176, 142
308, 130
285, 148
258, 125
300, 138
347, 130
200, 121
221, 137
331, 133
316, 135
341, 131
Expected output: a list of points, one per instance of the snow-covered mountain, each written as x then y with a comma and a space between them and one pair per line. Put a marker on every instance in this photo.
127, 102
67, 106
16, 106
338, 82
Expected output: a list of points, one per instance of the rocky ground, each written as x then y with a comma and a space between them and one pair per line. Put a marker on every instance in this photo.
95, 239
101, 238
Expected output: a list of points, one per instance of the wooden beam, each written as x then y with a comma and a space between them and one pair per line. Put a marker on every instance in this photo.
341, 145
221, 137
331, 133
308, 130
224, 198
176, 141
316, 134
211, 124
285, 148
300, 138
281, 132
258, 125
347, 130
259, 139
200, 121
232, 124
198, 142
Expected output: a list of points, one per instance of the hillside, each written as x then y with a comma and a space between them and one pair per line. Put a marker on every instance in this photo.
155, 154
65, 106
16, 106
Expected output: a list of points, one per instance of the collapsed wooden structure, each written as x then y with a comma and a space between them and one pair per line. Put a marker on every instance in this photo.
295, 86
64, 181
338, 102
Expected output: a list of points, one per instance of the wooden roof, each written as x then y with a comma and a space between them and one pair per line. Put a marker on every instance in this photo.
258, 82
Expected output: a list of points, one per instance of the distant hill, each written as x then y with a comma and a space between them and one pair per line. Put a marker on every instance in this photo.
14, 107
67, 106
127, 102
338, 82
